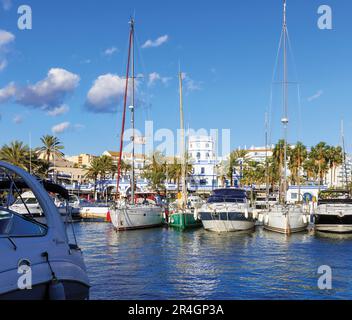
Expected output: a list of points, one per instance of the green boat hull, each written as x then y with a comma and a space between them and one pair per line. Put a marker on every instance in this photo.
183, 221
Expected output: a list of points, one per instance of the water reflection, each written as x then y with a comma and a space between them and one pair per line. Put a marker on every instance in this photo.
167, 264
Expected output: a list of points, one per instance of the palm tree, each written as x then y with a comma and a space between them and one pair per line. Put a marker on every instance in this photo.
93, 172
319, 154
335, 157
236, 158
278, 158
51, 148
297, 157
156, 171
17, 154
106, 166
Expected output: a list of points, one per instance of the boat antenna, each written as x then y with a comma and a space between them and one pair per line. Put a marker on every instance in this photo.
124, 108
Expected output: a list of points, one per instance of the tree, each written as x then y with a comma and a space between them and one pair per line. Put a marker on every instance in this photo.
93, 172
236, 158
17, 154
155, 172
319, 154
335, 157
297, 157
21, 156
51, 148
279, 162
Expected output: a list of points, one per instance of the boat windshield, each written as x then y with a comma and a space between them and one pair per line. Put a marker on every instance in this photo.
228, 195
15, 226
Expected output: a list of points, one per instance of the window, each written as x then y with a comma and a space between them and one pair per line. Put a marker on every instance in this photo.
198, 155
294, 196
207, 145
13, 225
208, 155
202, 171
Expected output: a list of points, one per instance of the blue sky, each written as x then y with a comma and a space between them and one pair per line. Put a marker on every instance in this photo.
227, 49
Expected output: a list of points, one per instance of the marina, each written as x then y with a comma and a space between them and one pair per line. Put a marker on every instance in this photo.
112, 206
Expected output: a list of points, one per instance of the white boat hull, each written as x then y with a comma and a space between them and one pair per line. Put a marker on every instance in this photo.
286, 220
227, 217
228, 225
136, 217
334, 228
334, 218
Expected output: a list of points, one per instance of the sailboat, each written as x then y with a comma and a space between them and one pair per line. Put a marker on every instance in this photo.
285, 218
126, 213
183, 218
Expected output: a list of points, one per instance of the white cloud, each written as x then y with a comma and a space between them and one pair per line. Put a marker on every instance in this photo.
58, 111
6, 38
6, 4
7, 92
18, 119
66, 127
3, 64
50, 92
155, 43
110, 51
155, 77
61, 127
190, 84
86, 61
316, 96
106, 93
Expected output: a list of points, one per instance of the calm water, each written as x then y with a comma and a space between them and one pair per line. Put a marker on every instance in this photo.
166, 264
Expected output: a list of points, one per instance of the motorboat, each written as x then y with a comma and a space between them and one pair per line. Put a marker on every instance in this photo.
334, 212
285, 219
227, 210
38, 261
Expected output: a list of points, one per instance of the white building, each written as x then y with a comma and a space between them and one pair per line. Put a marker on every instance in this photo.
337, 177
259, 154
202, 153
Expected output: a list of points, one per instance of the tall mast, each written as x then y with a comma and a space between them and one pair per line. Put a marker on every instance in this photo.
132, 117
124, 108
266, 158
344, 153
285, 102
183, 151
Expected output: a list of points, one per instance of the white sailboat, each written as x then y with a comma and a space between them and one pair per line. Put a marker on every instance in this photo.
128, 215
283, 217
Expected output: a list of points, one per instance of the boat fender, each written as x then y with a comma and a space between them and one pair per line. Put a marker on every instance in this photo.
260, 217
266, 219
246, 214
56, 288
255, 214
56, 291
108, 217
304, 219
